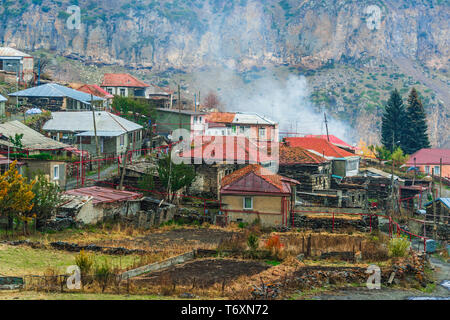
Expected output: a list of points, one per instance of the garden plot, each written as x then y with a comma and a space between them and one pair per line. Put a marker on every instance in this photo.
204, 273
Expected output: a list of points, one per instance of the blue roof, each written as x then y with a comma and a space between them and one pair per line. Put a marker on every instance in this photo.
445, 201
2, 98
55, 90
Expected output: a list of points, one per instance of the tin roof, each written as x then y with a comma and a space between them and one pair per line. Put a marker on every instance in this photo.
81, 121
55, 90
444, 201
2, 98
333, 139
95, 90
31, 139
430, 157
319, 146
256, 179
11, 52
105, 195
228, 149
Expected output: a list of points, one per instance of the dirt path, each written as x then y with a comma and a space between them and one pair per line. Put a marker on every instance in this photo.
441, 273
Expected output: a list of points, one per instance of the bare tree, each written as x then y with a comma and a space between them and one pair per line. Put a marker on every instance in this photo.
212, 101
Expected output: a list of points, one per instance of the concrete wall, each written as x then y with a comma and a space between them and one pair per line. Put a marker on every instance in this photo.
159, 265
33, 167
267, 208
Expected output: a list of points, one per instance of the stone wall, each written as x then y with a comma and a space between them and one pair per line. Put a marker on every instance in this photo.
326, 223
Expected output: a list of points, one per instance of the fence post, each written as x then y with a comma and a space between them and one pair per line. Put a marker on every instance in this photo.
424, 245
333, 222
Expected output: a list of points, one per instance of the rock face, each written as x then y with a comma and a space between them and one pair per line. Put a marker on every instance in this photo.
239, 34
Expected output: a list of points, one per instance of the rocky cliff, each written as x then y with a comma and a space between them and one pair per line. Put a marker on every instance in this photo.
194, 33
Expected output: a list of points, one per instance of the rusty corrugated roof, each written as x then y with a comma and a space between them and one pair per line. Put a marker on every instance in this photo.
105, 195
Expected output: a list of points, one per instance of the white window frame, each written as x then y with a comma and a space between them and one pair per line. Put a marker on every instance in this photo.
427, 169
263, 135
122, 140
436, 170
56, 172
243, 205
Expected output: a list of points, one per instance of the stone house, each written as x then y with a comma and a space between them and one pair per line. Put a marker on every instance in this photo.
254, 192
311, 170
18, 63
344, 163
93, 204
55, 97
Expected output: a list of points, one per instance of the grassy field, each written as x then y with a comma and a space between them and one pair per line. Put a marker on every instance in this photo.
19, 261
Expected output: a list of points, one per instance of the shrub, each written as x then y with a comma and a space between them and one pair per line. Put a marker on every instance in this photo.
398, 247
253, 242
274, 243
84, 261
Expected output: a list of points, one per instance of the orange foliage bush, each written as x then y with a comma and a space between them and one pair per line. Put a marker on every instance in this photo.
274, 243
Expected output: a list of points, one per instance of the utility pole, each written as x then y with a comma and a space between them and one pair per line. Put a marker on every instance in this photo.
392, 176
434, 204
415, 172
326, 125
440, 178
179, 103
95, 126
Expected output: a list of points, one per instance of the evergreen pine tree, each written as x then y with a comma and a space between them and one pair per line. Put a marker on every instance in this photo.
394, 119
417, 137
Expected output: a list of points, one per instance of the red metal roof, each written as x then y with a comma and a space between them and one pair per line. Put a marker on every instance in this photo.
122, 80
105, 195
430, 157
320, 146
95, 90
229, 148
298, 155
334, 140
255, 179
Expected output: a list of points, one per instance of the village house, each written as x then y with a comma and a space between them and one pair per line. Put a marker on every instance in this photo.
427, 160
93, 204
170, 120
438, 213
114, 133
96, 204
215, 157
252, 126
16, 66
344, 163
95, 90
253, 193
124, 85
55, 97
34, 146
2, 106
311, 170
162, 97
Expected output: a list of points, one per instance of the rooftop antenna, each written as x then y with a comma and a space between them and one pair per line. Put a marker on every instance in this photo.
326, 125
